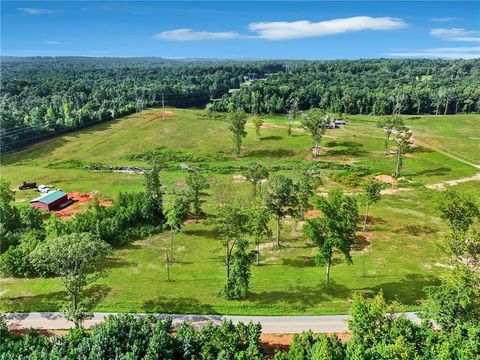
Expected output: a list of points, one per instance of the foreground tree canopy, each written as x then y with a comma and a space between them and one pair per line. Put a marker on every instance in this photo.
43, 96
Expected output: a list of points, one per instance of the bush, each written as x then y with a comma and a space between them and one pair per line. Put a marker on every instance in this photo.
351, 177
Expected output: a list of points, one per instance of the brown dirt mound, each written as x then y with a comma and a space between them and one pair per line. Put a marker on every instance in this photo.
387, 179
312, 214
76, 207
180, 182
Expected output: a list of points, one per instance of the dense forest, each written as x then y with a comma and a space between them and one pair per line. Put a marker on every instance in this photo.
43, 96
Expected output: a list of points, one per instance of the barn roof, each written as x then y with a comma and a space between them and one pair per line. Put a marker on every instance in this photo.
49, 197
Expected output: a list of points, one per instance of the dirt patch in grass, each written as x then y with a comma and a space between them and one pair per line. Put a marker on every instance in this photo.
312, 214
79, 199
442, 185
392, 191
387, 179
239, 179
180, 182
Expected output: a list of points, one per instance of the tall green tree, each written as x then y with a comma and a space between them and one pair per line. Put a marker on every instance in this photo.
308, 181
458, 210
231, 223
316, 122
258, 219
73, 258
175, 210
280, 199
371, 194
196, 183
335, 230
153, 186
292, 116
255, 174
236, 124
239, 280
9, 215
257, 121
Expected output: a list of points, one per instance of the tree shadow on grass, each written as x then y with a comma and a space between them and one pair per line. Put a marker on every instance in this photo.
301, 261
270, 153
433, 172
52, 301
350, 148
301, 298
272, 138
177, 305
360, 242
206, 233
417, 230
408, 290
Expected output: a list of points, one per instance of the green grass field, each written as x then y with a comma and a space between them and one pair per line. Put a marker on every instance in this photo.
402, 254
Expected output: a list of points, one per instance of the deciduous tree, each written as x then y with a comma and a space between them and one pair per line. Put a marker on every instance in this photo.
73, 258
316, 122
196, 183
280, 199
236, 124
335, 230
255, 174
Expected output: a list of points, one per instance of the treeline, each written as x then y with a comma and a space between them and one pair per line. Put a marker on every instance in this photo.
44, 96
377, 87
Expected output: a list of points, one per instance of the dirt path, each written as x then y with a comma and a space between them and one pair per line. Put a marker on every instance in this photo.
443, 184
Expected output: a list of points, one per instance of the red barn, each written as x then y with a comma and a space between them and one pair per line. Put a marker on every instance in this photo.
50, 201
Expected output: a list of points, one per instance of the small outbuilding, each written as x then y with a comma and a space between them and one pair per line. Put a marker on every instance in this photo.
50, 201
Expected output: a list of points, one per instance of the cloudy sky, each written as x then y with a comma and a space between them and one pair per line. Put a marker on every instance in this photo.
247, 29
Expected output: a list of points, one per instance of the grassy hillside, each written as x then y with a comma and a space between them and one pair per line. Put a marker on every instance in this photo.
401, 254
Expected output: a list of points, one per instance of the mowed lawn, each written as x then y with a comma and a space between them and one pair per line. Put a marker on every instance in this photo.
401, 252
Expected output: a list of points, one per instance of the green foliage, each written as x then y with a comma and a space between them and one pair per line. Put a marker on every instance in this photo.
258, 219
316, 122
314, 347
232, 225
239, 279
9, 216
236, 124
308, 181
255, 174
16, 261
280, 199
196, 183
257, 121
456, 300
335, 230
459, 211
72, 257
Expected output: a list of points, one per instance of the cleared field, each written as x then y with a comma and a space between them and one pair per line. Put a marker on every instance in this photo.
401, 255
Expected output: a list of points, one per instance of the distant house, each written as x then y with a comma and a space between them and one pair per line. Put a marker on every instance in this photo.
50, 201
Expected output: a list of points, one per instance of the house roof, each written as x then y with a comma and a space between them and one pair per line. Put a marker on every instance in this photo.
49, 197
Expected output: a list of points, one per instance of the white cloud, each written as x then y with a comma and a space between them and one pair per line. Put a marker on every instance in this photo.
469, 52
444, 19
455, 34
283, 30
36, 11
190, 35
50, 42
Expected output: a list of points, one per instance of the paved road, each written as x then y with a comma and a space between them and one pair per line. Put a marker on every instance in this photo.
270, 324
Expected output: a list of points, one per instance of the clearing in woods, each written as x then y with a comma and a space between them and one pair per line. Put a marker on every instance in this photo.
402, 236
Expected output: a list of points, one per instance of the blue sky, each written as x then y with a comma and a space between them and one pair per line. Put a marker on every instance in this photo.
247, 29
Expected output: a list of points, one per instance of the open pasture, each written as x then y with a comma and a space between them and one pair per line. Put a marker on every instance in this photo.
400, 246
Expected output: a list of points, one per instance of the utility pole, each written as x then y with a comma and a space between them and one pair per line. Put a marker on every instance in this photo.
163, 105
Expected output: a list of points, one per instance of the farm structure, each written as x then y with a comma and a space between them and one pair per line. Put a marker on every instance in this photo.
50, 201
